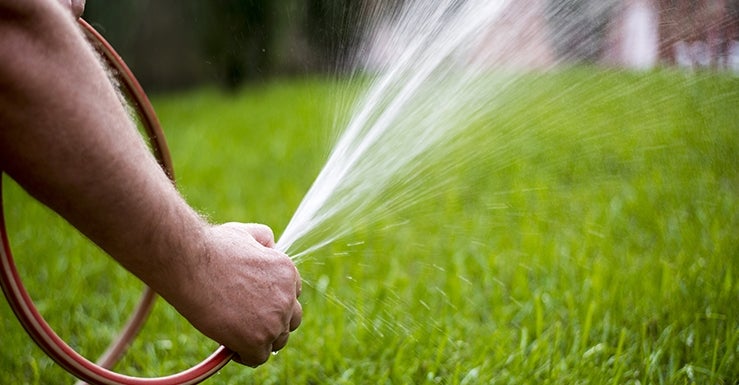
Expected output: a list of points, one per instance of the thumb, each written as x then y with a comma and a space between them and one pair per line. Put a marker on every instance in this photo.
76, 6
261, 233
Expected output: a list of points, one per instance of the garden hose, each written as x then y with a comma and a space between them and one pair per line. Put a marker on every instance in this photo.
23, 306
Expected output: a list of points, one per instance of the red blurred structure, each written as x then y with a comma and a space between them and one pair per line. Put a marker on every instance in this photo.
686, 33
639, 34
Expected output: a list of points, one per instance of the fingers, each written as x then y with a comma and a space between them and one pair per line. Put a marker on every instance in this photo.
298, 285
256, 358
280, 342
256, 355
261, 233
251, 359
259, 356
297, 316
76, 6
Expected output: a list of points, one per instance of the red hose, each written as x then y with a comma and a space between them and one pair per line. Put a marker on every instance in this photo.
24, 307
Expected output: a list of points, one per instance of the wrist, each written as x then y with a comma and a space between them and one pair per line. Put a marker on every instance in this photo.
177, 249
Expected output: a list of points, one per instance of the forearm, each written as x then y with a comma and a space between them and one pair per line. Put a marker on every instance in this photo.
65, 137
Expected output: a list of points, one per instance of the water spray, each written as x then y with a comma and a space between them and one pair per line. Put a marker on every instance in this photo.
31, 319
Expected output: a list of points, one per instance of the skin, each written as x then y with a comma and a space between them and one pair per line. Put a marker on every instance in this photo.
65, 138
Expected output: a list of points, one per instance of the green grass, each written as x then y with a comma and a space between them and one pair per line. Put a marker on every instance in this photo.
602, 247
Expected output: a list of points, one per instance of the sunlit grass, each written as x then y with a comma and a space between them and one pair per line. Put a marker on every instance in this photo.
602, 246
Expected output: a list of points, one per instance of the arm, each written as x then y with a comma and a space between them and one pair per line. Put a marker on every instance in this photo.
67, 140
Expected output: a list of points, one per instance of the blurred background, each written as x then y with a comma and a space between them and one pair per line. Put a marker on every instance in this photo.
175, 44
178, 44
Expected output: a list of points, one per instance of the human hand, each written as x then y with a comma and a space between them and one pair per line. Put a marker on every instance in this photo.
244, 294
76, 6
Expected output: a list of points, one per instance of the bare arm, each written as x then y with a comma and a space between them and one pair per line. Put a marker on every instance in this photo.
67, 140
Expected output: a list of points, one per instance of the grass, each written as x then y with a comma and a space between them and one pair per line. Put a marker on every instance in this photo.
601, 248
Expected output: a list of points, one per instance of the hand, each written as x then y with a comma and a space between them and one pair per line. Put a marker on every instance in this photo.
76, 6
244, 294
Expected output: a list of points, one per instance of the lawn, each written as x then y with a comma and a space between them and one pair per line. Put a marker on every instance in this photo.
596, 241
